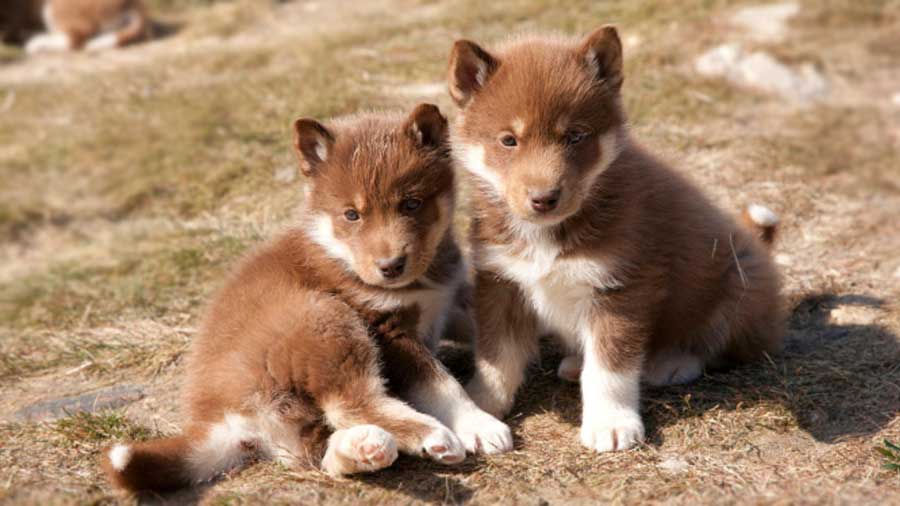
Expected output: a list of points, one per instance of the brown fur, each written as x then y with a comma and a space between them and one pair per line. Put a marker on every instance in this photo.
19, 19
671, 272
296, 342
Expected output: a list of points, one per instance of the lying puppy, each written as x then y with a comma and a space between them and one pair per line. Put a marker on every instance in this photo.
292, 358
579, 231
90, 25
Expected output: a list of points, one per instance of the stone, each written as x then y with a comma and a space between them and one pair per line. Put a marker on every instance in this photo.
674, 465
762, 71
765, 23
854, 315
286, 174
108, 398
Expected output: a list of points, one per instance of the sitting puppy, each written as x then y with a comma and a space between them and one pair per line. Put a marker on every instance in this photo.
307, 351
579, 231
90, 25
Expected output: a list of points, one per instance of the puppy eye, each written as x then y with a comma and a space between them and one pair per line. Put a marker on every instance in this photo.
410, 205
509, 140
575, 136
351, 215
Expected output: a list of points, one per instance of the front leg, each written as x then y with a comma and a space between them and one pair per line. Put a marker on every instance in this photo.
415, 375
610, 382
506, 342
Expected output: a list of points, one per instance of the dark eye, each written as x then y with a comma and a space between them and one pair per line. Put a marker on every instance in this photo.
509, 140
351, 215
410, 205
575, 136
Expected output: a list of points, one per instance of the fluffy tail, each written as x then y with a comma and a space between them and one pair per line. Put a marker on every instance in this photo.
160, 465
763, 221
167, 464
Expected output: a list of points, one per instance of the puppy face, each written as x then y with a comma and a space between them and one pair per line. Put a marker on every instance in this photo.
381, 191
541, 119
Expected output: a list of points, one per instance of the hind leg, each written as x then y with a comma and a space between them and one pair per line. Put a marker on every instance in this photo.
359, 449
672, 367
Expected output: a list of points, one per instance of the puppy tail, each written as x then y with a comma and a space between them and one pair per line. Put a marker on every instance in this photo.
159, 466
763, 221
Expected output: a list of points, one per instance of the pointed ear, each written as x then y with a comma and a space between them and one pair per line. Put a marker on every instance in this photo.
427, 126
313, 143
602, 53
470, 68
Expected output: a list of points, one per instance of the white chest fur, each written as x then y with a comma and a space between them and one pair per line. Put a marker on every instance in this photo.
561, 289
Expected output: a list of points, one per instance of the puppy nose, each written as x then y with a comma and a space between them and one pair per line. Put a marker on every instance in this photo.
391, 267
544, 201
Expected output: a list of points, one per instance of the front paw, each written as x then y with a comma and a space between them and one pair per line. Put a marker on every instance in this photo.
444, 447
482, 433
614, 430
489, 396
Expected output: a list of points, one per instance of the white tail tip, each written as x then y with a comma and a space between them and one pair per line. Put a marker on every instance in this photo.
119, 457
762, 215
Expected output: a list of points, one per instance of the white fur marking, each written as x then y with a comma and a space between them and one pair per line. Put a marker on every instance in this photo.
48, 42
119, 457
321, 150
223, 448
762, 215
610, 419
322, 232
101, 42
472, 158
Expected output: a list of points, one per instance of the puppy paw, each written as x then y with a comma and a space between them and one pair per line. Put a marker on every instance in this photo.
359, 449
444, 447
570, 368
615, 430
482, 433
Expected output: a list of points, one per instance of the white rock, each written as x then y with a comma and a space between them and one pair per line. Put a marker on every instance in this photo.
287, 174
854, 315
766, 23
762, 71
718, 61
674, 465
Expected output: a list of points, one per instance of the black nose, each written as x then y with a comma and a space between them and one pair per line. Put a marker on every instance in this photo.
391, 267
544, 201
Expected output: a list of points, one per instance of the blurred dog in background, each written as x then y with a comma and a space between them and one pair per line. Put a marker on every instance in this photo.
90, 25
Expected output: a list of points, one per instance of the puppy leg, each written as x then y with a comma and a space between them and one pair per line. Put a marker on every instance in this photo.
359, 449
48, 42
506, 343
610, 380
418, 377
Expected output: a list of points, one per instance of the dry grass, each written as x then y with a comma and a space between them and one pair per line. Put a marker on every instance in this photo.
132, 180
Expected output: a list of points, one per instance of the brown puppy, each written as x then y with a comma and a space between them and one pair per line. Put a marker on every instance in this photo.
579, 231
90, 25
292, 359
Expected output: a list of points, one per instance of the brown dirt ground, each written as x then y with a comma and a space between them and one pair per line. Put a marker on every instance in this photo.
132, 180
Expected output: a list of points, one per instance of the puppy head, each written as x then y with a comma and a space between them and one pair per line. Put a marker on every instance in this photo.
380, 192
541, 119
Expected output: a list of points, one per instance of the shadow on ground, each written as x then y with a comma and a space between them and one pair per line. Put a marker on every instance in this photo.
837, 380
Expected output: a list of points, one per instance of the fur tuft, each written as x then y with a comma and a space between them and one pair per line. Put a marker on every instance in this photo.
763, 220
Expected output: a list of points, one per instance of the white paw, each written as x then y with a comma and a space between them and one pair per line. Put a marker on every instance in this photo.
482, 433
361, 448
570, 368
620, 429
444, 447
488, 396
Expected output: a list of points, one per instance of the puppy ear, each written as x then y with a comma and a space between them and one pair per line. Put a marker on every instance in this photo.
313, 143
602, 53
470, 68
427, 126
